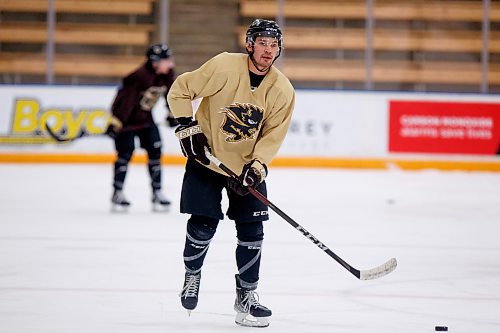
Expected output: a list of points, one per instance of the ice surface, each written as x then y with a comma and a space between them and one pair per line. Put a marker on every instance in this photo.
67, 264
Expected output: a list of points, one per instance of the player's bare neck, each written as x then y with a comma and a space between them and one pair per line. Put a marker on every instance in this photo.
259, 71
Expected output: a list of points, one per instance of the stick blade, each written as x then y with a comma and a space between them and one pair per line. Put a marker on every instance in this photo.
59, 138
379, 271
53, 134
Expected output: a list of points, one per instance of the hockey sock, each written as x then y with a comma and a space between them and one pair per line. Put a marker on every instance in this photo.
248, 252
120, 171
154, 168
200, 230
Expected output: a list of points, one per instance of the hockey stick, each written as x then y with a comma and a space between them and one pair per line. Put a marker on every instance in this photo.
82, 134
369, 274
59, 138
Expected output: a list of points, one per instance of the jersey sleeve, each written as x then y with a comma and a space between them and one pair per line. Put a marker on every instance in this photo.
202, 82
274, 129
169, 83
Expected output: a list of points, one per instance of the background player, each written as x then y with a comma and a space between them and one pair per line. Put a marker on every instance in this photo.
132, 117
243, 119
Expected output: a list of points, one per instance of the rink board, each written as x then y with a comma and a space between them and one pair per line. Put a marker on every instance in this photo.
329, 128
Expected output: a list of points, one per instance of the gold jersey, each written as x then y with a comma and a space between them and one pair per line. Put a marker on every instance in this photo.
240, 124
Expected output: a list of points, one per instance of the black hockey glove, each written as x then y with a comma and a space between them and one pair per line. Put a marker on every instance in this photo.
170, 119
193, 141
114, 127
254, 173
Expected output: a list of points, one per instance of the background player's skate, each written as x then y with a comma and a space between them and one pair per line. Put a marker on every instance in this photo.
160, 202
118, 202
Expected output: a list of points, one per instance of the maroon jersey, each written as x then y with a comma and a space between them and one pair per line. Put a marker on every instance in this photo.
138, 95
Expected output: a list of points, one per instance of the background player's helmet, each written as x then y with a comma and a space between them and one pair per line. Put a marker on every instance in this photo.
158, 51
264, 28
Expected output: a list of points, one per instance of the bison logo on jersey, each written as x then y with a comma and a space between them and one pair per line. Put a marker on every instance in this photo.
242, 121
151, 96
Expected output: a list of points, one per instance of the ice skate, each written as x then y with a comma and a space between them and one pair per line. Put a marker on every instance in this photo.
118, 202
190, 290
249, 312
160, 203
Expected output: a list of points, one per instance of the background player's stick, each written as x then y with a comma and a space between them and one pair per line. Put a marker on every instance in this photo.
369, 274
83, 134
60, 138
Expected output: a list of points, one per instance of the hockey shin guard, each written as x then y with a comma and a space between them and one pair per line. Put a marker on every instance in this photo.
200, 231
248, 252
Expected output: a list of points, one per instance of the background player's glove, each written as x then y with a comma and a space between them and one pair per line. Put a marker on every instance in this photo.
171, 121
193, 141
114, 127
254, 173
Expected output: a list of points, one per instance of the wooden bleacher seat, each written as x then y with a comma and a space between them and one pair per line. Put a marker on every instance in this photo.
435, 10
304, 9
431, 10
314, 38
69, 64
295, 69
130, 7
77, 33
388, 71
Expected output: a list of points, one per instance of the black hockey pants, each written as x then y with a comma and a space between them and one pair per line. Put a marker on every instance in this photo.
150, 140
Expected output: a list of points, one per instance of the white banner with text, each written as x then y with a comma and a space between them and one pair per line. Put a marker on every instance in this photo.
325, 123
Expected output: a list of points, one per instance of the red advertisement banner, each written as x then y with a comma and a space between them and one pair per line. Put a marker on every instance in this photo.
444, 127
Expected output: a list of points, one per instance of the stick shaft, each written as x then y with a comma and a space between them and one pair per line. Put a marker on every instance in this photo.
287, 218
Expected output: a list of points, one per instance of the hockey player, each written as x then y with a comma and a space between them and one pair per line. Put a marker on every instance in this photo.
132, 117
243, 119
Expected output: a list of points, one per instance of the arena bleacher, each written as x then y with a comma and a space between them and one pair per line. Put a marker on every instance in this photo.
415, 45
94, 39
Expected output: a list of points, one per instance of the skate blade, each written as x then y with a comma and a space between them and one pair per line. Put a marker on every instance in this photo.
159, 208
247, 320
119, 209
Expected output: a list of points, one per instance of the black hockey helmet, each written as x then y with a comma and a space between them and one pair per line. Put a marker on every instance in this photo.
157, 52
264, 28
